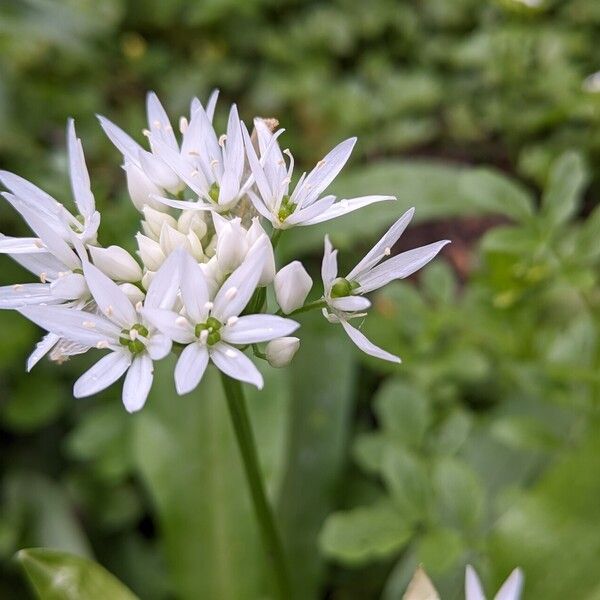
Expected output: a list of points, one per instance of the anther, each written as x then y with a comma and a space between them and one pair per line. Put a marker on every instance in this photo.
231, 293
43, 277
102, 344
208, 305
183, 124
89, 324
222, 139
180, 321
146, 132
232, 321
17, 287
387, 251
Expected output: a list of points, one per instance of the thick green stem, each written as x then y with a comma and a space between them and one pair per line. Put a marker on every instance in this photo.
310, 306
264, 514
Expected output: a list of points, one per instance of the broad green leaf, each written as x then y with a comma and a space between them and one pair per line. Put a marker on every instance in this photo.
432, 188
364, 534
562, 196
554, 525
492, 192
440, 549
56, 575
587, 246
510, 240
407, 480
322, 377
459, 494
404, 411
368, 451
190, 463
438, 282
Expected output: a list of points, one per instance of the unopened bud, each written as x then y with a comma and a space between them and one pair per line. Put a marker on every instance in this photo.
150, 252
292, 284
141, 189
154, 220
116, 262
132, 292
70, 286
231, 244
171, 239
281, 351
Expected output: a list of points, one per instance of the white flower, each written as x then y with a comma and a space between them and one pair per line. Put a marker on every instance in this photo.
142, 165
141, 189
343, 295
292, 285
303, 206
281, 351
510, 590
133, 342
116, 262
210, 329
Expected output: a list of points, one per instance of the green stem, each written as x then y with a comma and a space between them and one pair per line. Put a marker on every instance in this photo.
320, 303
275, 237
264, 514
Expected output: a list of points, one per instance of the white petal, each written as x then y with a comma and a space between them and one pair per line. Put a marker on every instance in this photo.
365, 345
27, 191
257, 170
329, 269
110, 299
212, 104
399, 267
239, 287
473, 589
16, 245
172, 324
43, 265
138, 382
324, 173
511, 590
257, 328
103, 374
190, 368
41, 349
159, 346
383, 247
158, 121
116, 262
126, 145
75, 325
184, 204
164, 288
344, 207
350, 303
71, 286
80, 179
236, 364
306, 215
194, 291
26, 294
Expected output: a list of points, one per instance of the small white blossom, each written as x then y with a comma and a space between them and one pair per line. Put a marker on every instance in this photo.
292, 285
281, 351
510, 590
116, 262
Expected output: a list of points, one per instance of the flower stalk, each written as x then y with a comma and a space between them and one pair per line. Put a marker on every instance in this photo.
264, 514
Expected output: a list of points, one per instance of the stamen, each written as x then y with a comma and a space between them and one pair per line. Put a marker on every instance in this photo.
222, 140
102, 344
17, 287
146, 132
193, 153
204, 336
320, 164
214, 162
133, 334
231, 293
139, 305
194, 173
89, 324
43, 277
387, 251
183, 124
38, 244
208, 305
180, 321
109, 310
232, 321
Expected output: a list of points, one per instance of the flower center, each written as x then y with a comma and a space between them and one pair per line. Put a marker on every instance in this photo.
213, 192
342, 287
131, 338
286, 209
211, 327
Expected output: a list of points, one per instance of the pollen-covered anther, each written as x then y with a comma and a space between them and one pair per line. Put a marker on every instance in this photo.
180, 321
232, 321
134, 334
109, 310
231, 293
387, 251
17, 287
102, 344
139, 305
208, 305
43, 277
320, 164
214, 162
222, 139
193, 152
38, 244
146, 132
89, 324
183, 124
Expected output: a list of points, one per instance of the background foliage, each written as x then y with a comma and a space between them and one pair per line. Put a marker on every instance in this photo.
481, 447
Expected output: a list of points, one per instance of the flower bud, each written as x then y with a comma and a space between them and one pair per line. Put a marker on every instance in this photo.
132, 292
150, 252
116, 262
154, 220
195, 246
292, 284
255, 233
192, 220
69, 286
141, 189
171, 239
231, 245
280, 351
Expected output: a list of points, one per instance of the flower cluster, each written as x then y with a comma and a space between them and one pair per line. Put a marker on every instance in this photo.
199, 287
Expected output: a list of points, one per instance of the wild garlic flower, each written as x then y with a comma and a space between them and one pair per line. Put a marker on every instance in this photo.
344, 295
510, 590
304, 205
201, 282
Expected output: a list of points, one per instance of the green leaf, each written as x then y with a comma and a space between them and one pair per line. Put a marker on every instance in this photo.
403, 411
556, 523
564, 188
586, 244
188, 458
459, 493
363, 534
438, 283
56, 575
440, 549
322, 400
510, 240
492, 192
407, 480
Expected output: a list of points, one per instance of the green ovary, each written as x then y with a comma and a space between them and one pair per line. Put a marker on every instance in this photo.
342, 287
213, 192
286, 209
213, 327
135, 346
